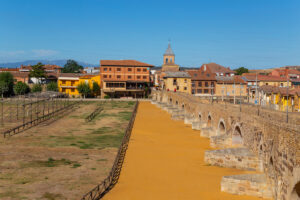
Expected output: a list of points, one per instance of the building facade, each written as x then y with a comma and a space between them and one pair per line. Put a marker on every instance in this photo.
203, 83
177, 81
124, 78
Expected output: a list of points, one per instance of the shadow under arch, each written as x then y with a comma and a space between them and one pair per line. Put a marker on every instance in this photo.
221, 127
209, 121
237, 138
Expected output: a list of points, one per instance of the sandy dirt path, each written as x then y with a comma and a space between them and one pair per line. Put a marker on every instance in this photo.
165, 160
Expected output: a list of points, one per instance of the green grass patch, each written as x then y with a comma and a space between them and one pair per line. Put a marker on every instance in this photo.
102, 159
52, 196
75, 165
47, 163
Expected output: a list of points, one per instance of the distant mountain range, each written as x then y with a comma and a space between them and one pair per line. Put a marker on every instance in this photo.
50, 62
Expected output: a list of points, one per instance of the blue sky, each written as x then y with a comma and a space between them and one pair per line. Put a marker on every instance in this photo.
251, 33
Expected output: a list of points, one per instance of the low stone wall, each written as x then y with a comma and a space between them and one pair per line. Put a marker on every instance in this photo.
246, 184
220, 141
207, 132
240, 158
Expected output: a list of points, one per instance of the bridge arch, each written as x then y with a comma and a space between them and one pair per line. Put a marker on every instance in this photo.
209, 120
200, 116
295, 185
237, 136
170, 100
221, 127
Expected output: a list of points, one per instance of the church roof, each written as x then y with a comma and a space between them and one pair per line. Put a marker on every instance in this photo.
169, 51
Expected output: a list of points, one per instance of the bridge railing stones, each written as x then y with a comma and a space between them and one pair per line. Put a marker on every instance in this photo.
240, 158
266, 133
246, 184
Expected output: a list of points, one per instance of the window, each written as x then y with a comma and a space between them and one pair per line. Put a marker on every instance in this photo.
86, 82
118, 76
199, 91
267, 83
64, 90
212, 84
109, 69
104, 76
118, 69
171, 60
206, 91
195, 75
138, 77
63, 82
193, 91
144, 77
129, 69
232, 91
109, 76
144, 70
138, 69
206, 84
185, 80
185, 88
199, 84
281, 84
193, 83
129, 77
167, 60
177, 87
72, 90
105, 69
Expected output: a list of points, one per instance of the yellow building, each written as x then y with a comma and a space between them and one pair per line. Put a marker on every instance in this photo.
230, 86
177, 81
68, 82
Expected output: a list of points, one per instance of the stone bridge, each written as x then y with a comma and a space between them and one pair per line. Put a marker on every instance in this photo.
248, 137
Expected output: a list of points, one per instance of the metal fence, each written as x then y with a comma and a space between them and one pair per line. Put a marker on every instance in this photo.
101, 189
20, 113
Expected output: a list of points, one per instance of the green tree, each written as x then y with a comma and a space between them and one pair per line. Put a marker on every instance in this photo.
72, 67
241, 70
37, 88
3, 88
7, 85
96, 88
21, 88
52, 86
84, 89
38, 72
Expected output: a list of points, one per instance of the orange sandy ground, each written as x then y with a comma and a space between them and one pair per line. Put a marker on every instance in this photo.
165, 160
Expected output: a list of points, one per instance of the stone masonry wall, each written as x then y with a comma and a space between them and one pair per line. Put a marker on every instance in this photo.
264, 132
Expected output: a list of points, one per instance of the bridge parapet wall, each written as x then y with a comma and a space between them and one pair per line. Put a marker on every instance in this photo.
264, 132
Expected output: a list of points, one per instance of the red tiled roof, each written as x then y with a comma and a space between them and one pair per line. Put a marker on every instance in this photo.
265, 78
124, 63
87, 76
198, 75
75, 75
230, 79
216, 68
9, 69
20, 74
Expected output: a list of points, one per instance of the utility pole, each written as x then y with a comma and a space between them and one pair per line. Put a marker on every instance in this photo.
240, 97
256, 89
233, 90
287, 101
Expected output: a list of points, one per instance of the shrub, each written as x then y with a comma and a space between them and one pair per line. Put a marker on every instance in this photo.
36, 88
52, 86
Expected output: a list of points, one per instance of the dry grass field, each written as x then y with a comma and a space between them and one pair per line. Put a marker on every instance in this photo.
66, 158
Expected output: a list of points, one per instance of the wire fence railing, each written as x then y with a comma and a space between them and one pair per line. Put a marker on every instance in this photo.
101, 189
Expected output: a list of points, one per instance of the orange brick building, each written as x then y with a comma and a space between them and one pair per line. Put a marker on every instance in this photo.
124, 78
